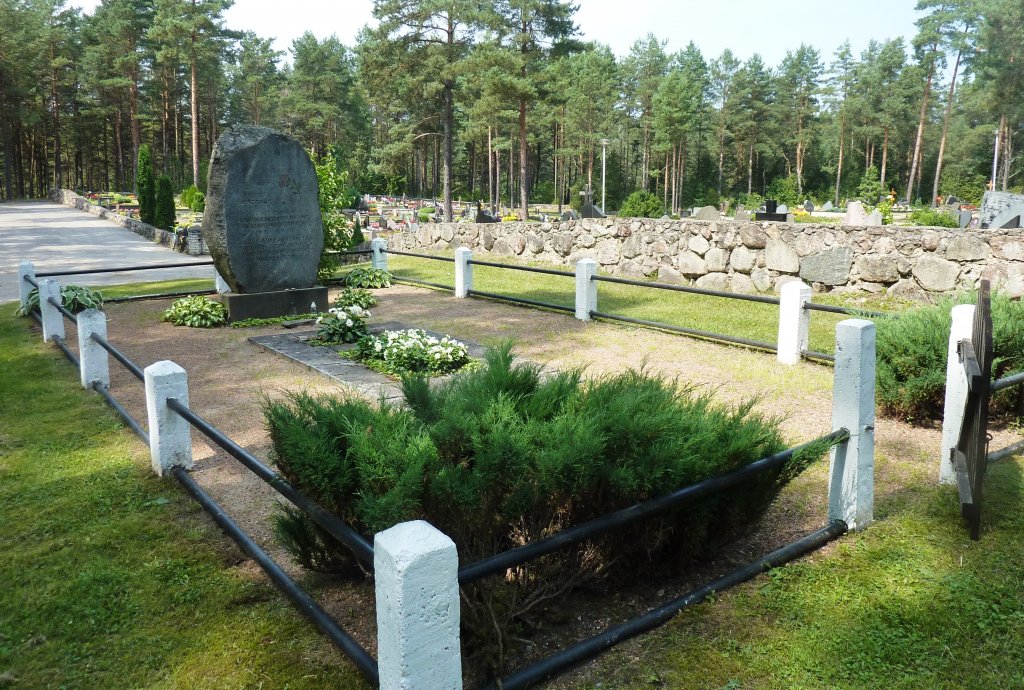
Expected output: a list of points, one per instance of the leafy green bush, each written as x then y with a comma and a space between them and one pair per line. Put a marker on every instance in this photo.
641, 205
370, 278
165, 215
342, 325
870, 189
357, 233
196, 311
193, 199
424, 214
412, 351
911, 351
146, 185
934, 218
75, 298
355, 296
502, 455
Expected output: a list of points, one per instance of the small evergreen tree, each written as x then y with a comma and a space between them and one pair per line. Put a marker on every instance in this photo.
145, 186
641, 204
357, 233
164, 215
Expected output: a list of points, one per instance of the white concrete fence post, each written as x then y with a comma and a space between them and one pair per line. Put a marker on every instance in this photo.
379, 257
95, 362
463, 272
851, 490
586, 288
170, 438
25, 270
416, 574
956, 390
794, 322
53, 320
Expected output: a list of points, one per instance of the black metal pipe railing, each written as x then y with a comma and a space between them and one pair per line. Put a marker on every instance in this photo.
37, 316
685, 288
65, 312
527, 269
366, 664
158, 295
417, 281
420, 256
772, 347
360, 546
121, 357
72, 357
121, 411
520, 300
574, 535
1003, 453
849, 311
119, 269
811, 354
31, 281
587, 649
1000, 384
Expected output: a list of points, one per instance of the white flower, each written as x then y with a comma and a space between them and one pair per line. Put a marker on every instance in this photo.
348, 322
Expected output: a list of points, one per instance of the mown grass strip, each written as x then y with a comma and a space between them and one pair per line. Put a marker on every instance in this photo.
700, 312
112, 577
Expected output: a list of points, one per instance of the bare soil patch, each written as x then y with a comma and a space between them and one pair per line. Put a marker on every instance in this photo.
228, 378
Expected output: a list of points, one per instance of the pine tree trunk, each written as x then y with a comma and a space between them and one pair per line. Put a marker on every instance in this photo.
885, 156
523, 200
195, 117
839, 166
916, 160
945, 128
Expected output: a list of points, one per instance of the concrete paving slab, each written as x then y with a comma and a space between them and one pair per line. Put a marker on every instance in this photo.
58, 238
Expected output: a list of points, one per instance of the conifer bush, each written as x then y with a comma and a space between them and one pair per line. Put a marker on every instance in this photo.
165, 214
501, 455
146, 185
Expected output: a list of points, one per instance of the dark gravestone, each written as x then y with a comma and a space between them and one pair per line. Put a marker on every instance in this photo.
587, 208
483, 216
262, 222
809, 206
771, 212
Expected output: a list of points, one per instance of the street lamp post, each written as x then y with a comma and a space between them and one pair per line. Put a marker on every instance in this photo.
604, 148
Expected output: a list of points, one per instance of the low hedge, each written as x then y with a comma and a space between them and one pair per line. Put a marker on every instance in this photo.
911, 357
502, 455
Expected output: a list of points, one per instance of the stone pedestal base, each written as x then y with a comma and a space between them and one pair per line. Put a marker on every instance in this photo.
267, 305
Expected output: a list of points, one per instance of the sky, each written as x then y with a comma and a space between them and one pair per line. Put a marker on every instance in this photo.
768, 27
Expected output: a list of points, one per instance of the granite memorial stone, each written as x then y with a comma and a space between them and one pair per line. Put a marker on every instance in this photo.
262, 222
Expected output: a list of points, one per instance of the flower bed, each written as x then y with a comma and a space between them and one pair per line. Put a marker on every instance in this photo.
342, 325
411, 351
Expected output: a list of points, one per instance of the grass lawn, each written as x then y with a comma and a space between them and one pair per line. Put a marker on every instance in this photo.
733, 317
112, 577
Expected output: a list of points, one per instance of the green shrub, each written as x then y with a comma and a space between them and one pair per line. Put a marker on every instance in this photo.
193, 199
165, 214
870, 189
412, 351
911, 352
370, 278
503, 455
355, 296
75, 298
934, 218
357, 233
196, 311
146, 186
424, 214
641, 205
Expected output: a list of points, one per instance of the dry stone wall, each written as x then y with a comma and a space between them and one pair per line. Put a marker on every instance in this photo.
68, 198
914, 263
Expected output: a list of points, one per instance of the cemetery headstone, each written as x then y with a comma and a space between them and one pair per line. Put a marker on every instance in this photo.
570, 215
875, 218
855, 214
772, 211
1010, 218
809, 206
965, 218
587, 208
995, 205
483, 216
782, 208
262, 223
742, 213
828, 206
707, 213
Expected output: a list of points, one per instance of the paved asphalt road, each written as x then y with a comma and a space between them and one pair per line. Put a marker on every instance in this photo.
56, 238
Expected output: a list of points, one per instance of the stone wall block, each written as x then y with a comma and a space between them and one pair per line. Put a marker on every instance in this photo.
779, 256
830, 267
935, 274
967, 248
691, 265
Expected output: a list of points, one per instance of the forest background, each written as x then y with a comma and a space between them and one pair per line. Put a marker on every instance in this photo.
506, 104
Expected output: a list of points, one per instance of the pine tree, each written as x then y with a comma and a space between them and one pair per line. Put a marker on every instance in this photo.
146, 187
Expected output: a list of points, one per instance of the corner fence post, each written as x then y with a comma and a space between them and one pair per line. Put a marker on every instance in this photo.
53, 321
379, 257
586, 288
95, 362
415, 568
851, 489
463, 272
956, 390
25, 270
170, 438
794, 322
